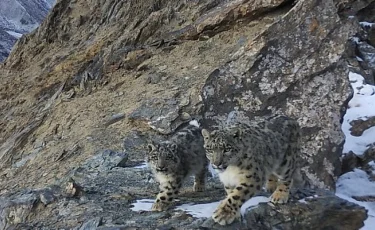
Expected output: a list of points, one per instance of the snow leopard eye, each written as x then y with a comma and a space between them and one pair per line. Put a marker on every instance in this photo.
228, 149
207, 148
154, 157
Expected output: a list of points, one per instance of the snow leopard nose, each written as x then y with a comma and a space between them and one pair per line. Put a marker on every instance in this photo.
161, 168
219, 167
217, 161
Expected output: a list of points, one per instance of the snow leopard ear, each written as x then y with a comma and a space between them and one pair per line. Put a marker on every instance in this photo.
205, 134
151, 146
237, 133
173, 147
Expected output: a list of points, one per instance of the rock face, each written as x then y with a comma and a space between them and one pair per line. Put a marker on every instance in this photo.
291, 70
99, 75
18, 17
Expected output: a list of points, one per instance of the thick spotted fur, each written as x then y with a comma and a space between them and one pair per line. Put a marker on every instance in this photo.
247, 156
174, 160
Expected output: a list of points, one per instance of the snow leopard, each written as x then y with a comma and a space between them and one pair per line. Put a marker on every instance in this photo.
247, 156
174, 160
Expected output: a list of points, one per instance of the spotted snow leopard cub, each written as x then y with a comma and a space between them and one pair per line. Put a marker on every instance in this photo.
176, 159
247, 155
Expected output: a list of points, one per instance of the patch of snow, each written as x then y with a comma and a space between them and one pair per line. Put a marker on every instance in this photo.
361, 106
206, 210
304, 199
355, 183
366, 24
355, 39
14, 34
199, 210
194, 123
141, 166
142, 205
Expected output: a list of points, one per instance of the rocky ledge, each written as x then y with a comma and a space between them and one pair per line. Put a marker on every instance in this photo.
102, 193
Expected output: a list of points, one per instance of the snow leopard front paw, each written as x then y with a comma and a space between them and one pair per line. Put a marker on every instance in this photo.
159, 206
225, 214
280, 197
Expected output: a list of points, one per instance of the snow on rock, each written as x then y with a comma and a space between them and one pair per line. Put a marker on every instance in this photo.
361, 106
206, 210
366, 24
14, 34
142, 205
141, 166
199, 210
357, 183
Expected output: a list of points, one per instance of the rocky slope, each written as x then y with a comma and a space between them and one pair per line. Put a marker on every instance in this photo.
18, 17
82, 94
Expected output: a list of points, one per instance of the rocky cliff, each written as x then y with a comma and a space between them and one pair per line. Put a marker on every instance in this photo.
18, 17
82, 94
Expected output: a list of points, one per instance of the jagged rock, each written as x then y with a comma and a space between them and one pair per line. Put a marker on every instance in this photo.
371, 35
114, 118
91, 224
318, 212
17, 208
72, 189
367, 53
106, 160
161, 115
153, 78
366, 12
353, 7
47, 197
359, 126
291, 70
327, 212
350, 161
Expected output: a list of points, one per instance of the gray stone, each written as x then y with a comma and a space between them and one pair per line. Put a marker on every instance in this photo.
114, 118
153, 78
91, 224
17, 208
337, 214
306, 214
107, 160
159, 114
47, 197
